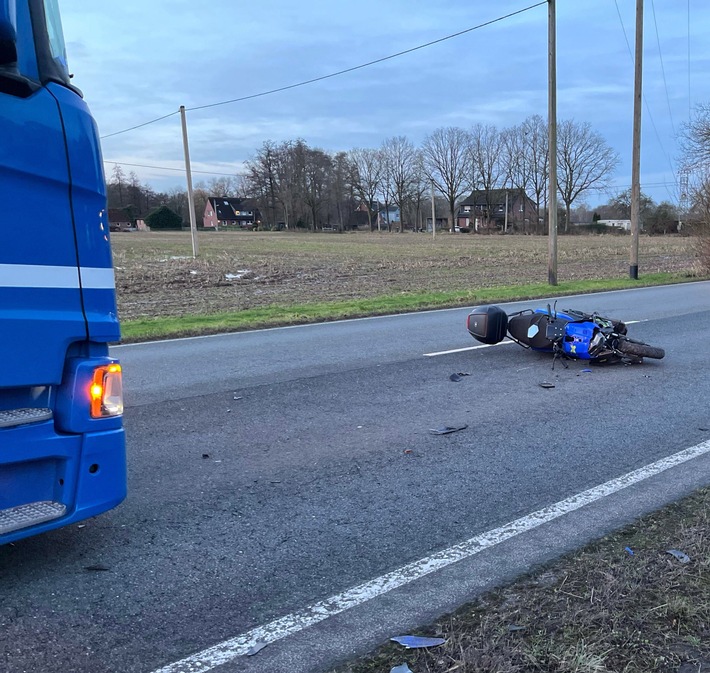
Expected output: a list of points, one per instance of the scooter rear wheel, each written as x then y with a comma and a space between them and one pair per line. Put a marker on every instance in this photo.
639, 349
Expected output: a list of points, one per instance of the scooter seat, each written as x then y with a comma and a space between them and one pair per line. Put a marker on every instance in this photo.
530, 329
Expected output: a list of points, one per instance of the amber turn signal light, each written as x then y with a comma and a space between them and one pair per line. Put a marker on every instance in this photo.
106, 391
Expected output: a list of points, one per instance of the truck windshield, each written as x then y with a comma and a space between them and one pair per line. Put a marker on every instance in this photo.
57, 48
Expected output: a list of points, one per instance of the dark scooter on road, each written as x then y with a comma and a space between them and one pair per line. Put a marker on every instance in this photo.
566, 334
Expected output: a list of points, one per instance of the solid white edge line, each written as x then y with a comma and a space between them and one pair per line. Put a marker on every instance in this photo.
219, 654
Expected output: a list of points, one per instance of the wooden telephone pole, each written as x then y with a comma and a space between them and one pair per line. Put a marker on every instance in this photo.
636, 150
188, 174
552, 143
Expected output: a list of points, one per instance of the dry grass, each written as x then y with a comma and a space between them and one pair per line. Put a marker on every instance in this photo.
598, 610
156, 275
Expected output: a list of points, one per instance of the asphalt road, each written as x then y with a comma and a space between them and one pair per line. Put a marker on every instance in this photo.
270, 470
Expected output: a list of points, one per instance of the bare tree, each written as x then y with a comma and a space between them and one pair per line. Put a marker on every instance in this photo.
620, 205
399, 157
318, 170
176, 200
368, 168
227, 185
263, 180
695, 138
418, 192
536, 161
446, 152
486, 150
342, 189
118, 181
516, 170
584, 161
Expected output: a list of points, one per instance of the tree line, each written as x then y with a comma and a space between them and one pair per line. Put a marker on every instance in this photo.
298, 186
303, 186
295, 185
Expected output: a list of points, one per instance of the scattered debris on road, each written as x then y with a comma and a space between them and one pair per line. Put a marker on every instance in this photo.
97, 568
255, 649
681, 556
447, 429
547, 384
415, 642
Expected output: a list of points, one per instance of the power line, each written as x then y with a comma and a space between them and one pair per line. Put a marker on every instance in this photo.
645, 101
643, 185
339, 72
168, 168
369, 63
690, 104
663, 69
152, 121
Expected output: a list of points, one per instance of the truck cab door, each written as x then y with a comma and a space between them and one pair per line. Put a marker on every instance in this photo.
41, 312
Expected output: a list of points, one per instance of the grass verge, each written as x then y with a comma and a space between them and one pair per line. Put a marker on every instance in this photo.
597, 610
144, 329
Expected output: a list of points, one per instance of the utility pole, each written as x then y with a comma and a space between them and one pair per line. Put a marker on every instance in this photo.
433, 212
188, 173
552, 143
505, 226
636, 150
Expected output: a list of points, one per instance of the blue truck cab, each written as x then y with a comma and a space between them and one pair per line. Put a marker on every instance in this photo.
62, 444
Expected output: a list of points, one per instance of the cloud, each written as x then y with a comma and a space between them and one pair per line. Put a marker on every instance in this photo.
137, 60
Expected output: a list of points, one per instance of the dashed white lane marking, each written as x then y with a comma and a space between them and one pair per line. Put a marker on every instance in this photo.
502, 343
468, 348
208, 659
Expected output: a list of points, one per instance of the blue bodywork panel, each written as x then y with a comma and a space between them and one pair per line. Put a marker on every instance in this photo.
578, 334
577, 338
57, 295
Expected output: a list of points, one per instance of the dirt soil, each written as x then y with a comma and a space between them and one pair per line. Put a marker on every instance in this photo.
156, 274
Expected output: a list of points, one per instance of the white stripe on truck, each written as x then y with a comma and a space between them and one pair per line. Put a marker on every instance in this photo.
40, 276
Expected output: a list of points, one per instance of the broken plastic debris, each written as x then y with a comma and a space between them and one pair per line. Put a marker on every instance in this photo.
97, 568
683, 558
236, 276
547, 384
256, 649
454, 377
402, 668
447, 429
515, 627
587, 371
413, 642
629, 551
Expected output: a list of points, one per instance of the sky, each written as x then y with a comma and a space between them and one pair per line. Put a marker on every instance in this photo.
137, 60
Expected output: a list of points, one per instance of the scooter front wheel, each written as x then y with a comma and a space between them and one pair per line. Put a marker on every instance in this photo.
639, 349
